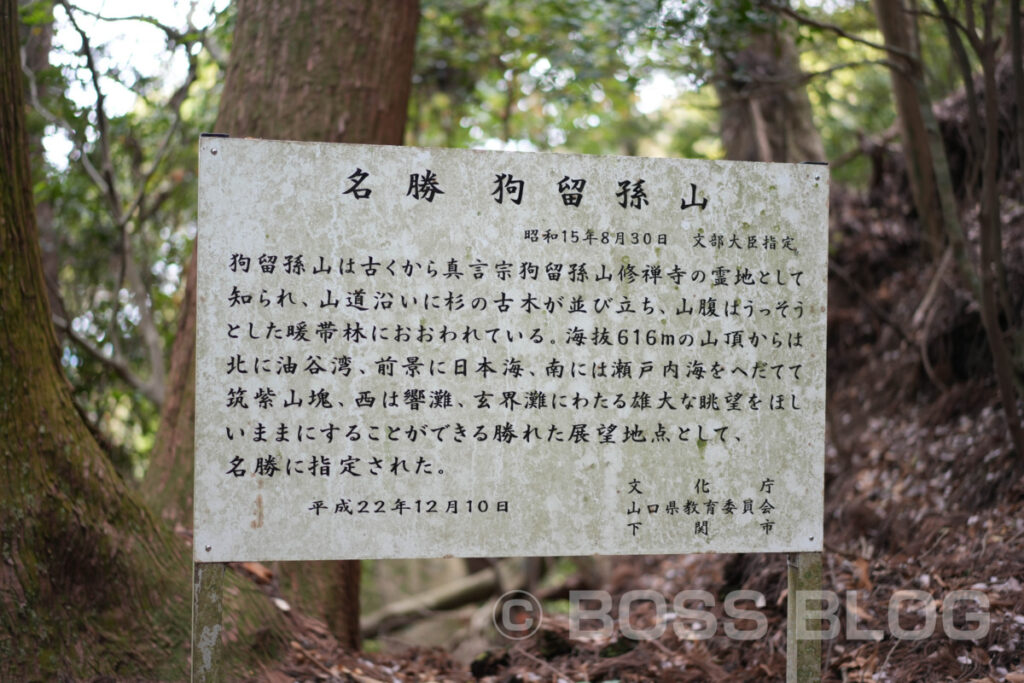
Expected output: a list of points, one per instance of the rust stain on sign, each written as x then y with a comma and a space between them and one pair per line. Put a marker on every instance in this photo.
258, 522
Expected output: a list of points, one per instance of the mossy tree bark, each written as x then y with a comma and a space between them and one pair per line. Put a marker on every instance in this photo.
90, 583
765, 113
36, 41
318, 70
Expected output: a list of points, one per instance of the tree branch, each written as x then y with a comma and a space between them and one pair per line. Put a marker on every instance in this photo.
942, 16
128, 273
106, 165
116, 363
175, 102
767, 84
787, 11
129, 268
960, 54
122, 216
172, 33
836, 269
79, 145
864, 144
147, 325
149, 209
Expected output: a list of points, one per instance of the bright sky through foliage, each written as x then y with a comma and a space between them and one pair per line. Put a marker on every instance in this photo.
134, 49
131, 48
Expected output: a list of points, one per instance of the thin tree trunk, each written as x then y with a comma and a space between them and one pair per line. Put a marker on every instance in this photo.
1017, 57
896, 26
37, 40
991, 241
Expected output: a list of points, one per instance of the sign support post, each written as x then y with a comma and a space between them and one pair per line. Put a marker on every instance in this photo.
803, 655
207, 609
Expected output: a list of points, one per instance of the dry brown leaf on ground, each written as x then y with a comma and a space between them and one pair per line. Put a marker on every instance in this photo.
258, 572
863, 573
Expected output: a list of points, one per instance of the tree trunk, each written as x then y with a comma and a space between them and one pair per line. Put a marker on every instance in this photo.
92, 586
1017, 64
90, 582
906, 72
37, 41
765, 112
336, 71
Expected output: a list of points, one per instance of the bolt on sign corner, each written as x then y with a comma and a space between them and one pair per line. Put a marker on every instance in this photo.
409, 352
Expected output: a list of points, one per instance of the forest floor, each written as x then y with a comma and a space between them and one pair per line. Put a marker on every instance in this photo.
922, 493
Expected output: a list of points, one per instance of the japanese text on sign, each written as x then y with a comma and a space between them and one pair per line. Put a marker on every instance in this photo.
409, 353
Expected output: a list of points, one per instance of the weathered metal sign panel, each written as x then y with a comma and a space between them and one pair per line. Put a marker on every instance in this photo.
418, 352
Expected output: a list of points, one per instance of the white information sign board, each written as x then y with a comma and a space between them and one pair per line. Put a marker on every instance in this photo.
409, 352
